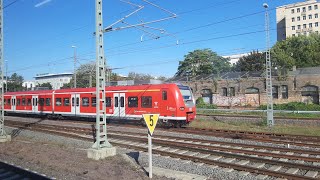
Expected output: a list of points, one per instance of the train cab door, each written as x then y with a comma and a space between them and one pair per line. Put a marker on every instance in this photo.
13, 103
119, 105
75, 104
35, 104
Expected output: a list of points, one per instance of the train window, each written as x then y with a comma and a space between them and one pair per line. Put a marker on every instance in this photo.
93, 102
122, 101
36, 101
41, 101
23, 101
58, 102
164, 95
29, 102
85, 102
9, 102
4, 102
66, 101
18, 102
48, 101
72, 101
78, 101
146, 101
108, 101
133, 101
116, 101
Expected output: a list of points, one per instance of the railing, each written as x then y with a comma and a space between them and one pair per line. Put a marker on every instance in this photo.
275, 111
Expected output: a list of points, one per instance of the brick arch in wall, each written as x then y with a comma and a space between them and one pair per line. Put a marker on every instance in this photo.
310, 94
206, 94
252, 97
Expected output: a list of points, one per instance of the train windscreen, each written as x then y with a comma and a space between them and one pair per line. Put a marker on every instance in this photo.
187, 96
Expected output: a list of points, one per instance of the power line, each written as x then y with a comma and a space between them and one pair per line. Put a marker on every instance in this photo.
10, 4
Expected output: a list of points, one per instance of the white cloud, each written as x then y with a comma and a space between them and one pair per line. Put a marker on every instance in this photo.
42, 3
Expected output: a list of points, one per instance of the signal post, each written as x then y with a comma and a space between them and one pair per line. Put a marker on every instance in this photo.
151, 122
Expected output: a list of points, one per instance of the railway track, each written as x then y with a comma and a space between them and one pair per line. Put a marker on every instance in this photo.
260, 160
10, 172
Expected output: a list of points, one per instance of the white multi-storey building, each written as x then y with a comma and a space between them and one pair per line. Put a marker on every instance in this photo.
56, 80
298, 19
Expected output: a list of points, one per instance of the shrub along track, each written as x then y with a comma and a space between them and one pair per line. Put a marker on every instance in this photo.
241, 157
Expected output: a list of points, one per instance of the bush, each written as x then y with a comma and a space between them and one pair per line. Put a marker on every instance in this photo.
201, 104
294, 106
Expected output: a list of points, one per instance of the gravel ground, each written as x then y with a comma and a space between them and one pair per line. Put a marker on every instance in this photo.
64, 158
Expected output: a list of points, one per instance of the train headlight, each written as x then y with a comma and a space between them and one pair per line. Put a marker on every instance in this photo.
182, 108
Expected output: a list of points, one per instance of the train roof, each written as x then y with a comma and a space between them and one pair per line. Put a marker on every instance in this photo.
109, 88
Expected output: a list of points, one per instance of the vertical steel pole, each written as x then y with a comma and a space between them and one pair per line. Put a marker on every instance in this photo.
101, 128
150, 154
2, 132
270, 120
74, 66
6, 76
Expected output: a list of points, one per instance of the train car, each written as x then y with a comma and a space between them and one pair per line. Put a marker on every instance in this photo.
175, 103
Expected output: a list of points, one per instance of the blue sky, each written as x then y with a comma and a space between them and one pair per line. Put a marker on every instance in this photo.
38, 34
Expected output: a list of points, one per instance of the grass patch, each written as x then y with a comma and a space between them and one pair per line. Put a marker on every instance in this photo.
256, 127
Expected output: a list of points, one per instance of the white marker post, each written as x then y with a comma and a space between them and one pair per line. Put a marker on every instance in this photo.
151, 122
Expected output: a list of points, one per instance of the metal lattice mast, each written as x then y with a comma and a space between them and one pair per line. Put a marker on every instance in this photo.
270, 119
2, 132
101, 127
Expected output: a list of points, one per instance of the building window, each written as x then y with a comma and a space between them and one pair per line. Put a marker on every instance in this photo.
309, 8
299, 26
304, 26
304, 9
275, 92
85, 102
293, 35
164, 95
232, 91
304, 17
293, 28
224, 92
58, 102
66, 101
284, 91
133, 101
108, 101
316, 15
93, 102
315, 6
298, 18
298, 10
146, 101
317, 32
310, 25
310, 16
292, 19
292, 11
304, 33
48, 101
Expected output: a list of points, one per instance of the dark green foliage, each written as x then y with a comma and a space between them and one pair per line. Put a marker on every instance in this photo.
203, 61
301, 51
255, 61
294, 106
15, 83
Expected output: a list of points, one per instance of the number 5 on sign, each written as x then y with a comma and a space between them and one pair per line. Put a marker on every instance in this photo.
151, 121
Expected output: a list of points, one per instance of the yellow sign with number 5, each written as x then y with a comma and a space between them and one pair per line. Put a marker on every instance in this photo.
151, 121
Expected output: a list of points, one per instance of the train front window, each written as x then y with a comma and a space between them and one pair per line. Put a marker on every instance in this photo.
187, 95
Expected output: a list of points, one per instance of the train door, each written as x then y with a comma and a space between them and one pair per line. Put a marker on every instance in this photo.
35, 104
75, 104
119, 105
163, 104
13, 103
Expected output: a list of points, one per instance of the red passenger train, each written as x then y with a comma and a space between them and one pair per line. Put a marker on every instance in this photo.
174, 103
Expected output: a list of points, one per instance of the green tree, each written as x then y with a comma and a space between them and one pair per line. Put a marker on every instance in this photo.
255, 61
45, 85
15, 83
203, 61
300, 51
139, 76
